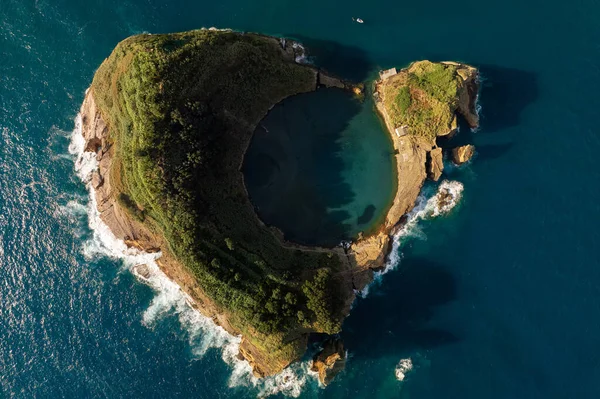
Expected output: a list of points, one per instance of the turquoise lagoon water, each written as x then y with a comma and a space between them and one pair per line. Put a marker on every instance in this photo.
320, 167
498, 299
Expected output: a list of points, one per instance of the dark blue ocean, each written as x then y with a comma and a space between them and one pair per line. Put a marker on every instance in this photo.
500, 298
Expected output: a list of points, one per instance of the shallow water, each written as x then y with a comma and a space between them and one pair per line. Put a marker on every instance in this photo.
498, 299
320, 168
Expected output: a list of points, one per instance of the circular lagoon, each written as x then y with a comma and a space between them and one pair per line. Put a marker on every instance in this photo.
320, 168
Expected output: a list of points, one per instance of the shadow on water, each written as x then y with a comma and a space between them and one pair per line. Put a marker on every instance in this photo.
493, 151
347, 62
396, 317
505, 94
367, 215
294, 170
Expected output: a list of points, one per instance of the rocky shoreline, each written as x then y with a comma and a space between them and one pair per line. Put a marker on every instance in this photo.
416, 159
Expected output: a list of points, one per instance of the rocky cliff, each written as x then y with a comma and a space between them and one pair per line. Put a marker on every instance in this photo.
330, 360
463, 154
414, 139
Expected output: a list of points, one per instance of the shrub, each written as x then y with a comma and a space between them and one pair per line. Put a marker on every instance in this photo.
130, 206
320, 301
403, 99
424, 98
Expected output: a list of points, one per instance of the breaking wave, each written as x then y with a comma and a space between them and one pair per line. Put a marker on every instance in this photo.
203, 333
301, 58
403, 368
428, 205
478, 107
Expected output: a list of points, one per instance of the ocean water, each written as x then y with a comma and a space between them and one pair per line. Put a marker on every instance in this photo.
320, 167
499, 298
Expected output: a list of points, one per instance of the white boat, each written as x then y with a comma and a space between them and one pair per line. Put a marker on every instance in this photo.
360, 21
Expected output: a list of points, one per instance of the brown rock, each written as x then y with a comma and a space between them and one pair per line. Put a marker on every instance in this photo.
444, 198
142, 270
330, 361
411, 160
93, 144
453, 129
330, 81
463, 154
370, 252
97, 180
467, 98
265, 362
435, 164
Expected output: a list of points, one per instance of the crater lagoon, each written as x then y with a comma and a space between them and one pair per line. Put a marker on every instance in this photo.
320, 167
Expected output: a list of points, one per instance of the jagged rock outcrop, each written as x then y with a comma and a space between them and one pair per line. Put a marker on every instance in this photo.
463, 154
329, 361
435, 164
330, 81
453, 129
467, 96
97, 180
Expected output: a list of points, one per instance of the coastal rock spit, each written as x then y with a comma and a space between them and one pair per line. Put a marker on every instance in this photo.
170, 117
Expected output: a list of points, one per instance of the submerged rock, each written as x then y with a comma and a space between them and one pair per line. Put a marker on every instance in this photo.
463, 154
142, 270
448, 195
330, 361
403, 367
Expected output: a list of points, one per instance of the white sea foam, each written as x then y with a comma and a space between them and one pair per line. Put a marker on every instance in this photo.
203, 333
428, 205
403, 368
301, 58
478, 108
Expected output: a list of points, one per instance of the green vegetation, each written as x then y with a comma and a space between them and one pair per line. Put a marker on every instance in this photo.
131, 207
321, 299
403, 99
423, 97
181, 110
437, 80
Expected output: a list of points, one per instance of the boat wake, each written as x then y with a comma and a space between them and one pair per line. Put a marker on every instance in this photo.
203, 333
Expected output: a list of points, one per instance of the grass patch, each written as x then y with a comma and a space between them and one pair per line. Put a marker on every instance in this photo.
424, 97
131, 207
403, 99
